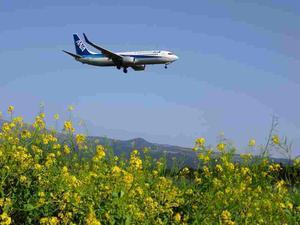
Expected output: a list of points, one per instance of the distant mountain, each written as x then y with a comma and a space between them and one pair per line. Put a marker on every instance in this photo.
184, 156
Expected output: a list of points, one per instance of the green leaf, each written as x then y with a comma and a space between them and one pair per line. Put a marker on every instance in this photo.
28, 207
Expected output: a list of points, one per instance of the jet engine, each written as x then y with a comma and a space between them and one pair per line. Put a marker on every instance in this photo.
139, 67
128, 60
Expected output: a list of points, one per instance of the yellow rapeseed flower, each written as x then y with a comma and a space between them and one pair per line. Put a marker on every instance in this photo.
289, 205
201, 156
25, 134
42, 115
177, 217
65, 170
6, 128
67, 149
41, 194
206, 171
10, 109
296, 162
219, 168
277, 167
74, 182
221, 147
39, 122
217, 183
200, 141
91, 218
155, 172
56, 146
5, 219
56, 116
38, 166
50, 160
80, 139
275, 139
195, 149
23, 179
280, 184
68, 126
226, 218
206, 158
136, 162
100, 153
49, 221
70, 108
246, 156
252, 143
274, 167
230, 166
18, 121
198, 180
245, 170
128, 179
116, 170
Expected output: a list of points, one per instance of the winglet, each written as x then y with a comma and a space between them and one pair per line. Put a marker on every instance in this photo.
85, 38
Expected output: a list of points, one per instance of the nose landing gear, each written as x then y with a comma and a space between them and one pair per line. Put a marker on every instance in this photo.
166, 66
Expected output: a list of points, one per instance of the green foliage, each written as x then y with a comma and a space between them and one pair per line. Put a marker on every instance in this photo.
46, 181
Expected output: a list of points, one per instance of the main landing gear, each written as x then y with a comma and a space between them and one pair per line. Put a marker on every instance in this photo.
124, 69
166, 66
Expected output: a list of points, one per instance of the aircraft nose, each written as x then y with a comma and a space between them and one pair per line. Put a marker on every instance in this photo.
174, 58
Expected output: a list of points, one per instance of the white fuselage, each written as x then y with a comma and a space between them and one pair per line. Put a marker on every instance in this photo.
132, 58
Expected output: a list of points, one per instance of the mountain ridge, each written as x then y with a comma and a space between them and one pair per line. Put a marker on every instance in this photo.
186, 155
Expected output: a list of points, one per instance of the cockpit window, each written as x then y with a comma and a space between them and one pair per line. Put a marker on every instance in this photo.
170, 53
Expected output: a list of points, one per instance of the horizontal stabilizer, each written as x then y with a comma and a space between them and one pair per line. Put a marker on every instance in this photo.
73, 55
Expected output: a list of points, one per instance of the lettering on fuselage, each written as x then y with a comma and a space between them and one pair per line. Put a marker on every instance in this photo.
80, 44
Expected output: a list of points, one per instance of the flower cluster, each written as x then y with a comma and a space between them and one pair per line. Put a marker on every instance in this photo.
46, 179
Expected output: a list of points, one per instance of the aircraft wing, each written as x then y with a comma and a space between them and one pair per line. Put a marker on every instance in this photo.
115, 57
73, 55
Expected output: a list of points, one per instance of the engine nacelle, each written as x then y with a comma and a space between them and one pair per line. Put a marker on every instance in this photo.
139, 67
127, 61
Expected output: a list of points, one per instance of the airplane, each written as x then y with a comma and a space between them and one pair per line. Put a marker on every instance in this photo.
136, 60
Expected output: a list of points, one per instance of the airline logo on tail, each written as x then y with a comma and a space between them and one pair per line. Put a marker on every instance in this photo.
80, 47
80, 44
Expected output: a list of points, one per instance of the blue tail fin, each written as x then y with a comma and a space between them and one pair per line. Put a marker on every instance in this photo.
80, 47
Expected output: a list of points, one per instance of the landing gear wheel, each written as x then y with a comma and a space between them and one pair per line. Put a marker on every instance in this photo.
166, 66
125, 70
118, 67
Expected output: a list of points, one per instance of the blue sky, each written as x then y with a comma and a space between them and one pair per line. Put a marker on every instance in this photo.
239, 64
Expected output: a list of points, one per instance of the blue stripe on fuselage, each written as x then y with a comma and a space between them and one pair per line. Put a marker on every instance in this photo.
94, 56
135, 56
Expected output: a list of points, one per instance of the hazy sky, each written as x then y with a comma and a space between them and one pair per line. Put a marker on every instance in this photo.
239, 64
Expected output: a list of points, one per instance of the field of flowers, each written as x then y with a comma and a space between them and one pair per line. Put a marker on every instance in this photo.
45, 180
